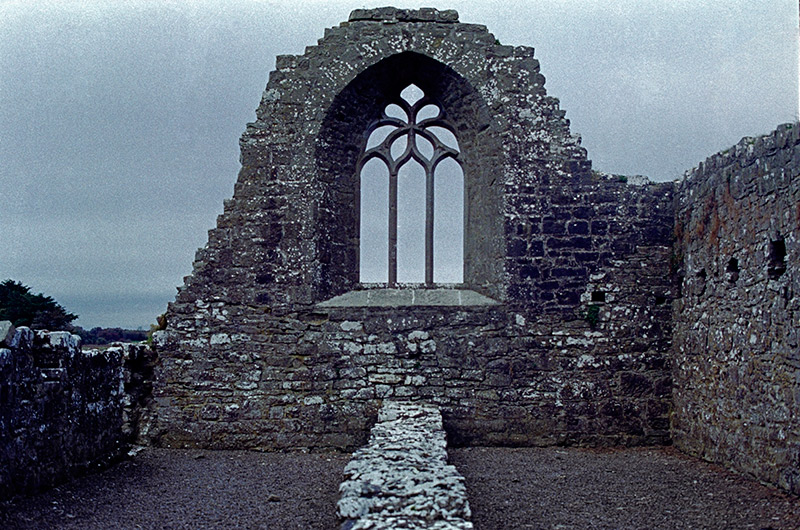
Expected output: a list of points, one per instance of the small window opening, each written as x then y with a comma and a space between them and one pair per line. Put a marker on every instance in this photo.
661, 299
777, 259
598, 296
732, 270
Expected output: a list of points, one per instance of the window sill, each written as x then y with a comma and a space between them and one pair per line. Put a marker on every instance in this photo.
385, 297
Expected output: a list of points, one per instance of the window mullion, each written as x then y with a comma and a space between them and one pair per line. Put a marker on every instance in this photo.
428, 224
393, 224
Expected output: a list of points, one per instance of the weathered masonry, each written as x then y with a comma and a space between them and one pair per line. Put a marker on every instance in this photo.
539, 302
64, 411
737, 325
547, 304
555, 323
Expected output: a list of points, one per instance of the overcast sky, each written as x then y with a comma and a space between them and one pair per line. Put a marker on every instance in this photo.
120, 120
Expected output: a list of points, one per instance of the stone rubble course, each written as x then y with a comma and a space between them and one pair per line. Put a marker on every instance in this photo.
401, 478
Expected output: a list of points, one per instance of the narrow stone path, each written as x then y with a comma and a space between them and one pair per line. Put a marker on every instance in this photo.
400, 480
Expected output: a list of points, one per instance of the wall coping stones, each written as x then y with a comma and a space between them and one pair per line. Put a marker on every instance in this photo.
409, 297
22, 338
401, 479
746, 152
393, 14
61, 339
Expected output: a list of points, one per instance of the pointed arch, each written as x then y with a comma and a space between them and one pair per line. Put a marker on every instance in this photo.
357, 111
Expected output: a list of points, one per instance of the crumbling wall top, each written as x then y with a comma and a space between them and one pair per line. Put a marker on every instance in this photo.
393, 14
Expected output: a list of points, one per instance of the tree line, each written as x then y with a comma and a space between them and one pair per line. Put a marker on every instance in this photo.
22, 307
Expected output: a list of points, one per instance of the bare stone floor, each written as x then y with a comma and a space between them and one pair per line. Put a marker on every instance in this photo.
532, 488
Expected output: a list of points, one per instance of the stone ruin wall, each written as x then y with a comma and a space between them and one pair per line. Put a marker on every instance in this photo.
64, 411
573, 352
737, 324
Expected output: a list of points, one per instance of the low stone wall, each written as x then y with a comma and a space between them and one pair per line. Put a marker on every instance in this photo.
737, 325
401, 478
64, 411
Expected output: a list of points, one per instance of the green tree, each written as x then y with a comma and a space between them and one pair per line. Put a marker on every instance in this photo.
23, 308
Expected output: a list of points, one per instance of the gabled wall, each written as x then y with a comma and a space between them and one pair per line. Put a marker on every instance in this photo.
572, 345
737, 325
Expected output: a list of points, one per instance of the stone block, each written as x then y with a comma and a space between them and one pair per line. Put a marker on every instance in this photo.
7, 332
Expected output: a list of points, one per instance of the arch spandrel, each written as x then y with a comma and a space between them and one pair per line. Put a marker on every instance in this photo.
346, 51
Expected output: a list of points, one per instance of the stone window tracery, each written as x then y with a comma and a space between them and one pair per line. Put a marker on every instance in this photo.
412, 196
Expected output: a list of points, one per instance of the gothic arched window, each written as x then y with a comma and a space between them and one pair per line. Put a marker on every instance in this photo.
412, 196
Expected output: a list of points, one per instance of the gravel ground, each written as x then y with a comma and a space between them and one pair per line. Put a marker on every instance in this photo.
180, 489
642, 488
549, 488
